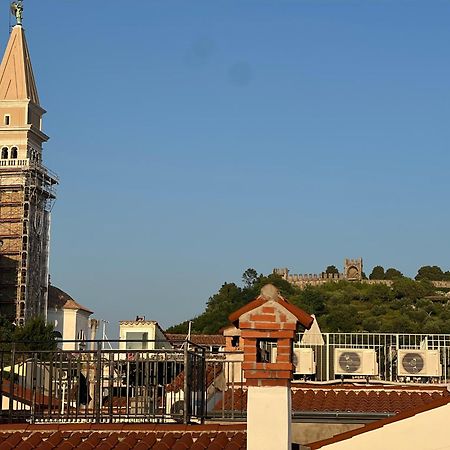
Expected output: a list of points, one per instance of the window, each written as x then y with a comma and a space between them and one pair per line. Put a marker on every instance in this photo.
81, 336
14, 153
266, 350
5, 153
7, 119
136, 336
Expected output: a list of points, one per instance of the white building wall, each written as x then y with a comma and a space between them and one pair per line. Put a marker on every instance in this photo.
152, 330
425, 431
74, 322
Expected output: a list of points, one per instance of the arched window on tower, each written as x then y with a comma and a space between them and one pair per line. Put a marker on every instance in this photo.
14, 153
5, 153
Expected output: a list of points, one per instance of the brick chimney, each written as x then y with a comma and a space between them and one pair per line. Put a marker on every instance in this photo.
268, 325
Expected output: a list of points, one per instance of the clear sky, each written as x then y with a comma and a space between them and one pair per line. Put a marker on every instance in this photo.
195, 139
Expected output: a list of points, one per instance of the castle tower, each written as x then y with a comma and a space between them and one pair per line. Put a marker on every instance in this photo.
353, 269
26, 186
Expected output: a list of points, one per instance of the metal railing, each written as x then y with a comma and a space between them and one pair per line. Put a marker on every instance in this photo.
93, 382
432, 350
103, 385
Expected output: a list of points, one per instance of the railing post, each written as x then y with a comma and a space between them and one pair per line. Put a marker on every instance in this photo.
203, 387
11, 382
33, 387
187, 394
98, 374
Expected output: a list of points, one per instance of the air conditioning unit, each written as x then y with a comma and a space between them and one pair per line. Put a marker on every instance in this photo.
419, 363
355, 361
304, 363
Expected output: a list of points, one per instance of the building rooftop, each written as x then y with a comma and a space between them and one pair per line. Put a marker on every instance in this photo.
348, 398
57, 298
198, 339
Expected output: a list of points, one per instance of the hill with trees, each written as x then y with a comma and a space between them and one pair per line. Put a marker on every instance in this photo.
407, 306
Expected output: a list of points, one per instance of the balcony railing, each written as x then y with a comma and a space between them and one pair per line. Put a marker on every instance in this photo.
103, 385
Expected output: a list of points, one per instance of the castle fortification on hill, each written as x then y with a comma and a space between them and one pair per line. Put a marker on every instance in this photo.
353, 271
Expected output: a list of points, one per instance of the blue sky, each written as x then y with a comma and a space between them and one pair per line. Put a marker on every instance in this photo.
195, 139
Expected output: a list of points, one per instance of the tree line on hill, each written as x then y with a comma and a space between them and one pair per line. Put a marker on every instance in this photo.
430, 273
407, 306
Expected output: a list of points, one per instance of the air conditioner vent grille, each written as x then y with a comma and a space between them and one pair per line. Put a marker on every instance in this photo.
413, 363
349, 362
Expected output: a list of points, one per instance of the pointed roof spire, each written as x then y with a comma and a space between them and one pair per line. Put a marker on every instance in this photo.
16, 74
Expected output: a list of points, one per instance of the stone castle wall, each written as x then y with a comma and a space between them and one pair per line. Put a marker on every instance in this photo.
303, 280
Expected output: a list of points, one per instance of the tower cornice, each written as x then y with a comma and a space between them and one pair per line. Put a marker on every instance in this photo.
27, 128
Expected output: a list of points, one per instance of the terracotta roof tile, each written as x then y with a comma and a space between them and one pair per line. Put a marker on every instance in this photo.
199, 339
123, 437
12, 441
57, 298
345, 398
201, 443
183, 443
219, 442
29, 443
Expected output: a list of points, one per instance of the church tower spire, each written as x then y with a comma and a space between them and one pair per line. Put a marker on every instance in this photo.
16, 73
27, 187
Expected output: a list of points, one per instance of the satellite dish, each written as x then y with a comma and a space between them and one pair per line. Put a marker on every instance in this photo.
349, 362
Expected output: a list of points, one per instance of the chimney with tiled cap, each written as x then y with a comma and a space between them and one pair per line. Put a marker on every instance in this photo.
268, 325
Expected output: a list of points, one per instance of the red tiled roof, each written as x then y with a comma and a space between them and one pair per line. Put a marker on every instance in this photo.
436, 403
57, 298
23, 394
212, 371
199, 339
347, 398
123, 436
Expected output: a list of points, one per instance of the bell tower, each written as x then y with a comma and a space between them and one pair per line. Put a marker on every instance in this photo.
27, 187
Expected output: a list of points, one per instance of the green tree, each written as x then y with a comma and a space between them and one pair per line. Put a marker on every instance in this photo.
311, 300
250, 277
377, 273
36, 334
342, 318
392, 274
342, 306
332, 269
432, 273
6, 333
